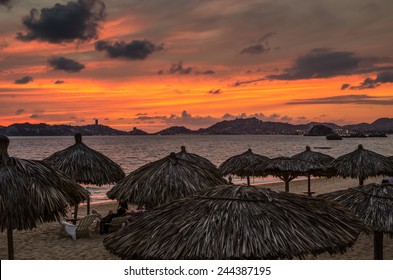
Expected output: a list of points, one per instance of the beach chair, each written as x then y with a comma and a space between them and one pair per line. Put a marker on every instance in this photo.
84, 227
117, 223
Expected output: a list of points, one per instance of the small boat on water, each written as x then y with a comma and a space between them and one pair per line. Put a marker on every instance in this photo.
333, 136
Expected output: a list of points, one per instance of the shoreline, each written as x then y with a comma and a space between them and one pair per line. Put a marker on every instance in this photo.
45, 242
269, 181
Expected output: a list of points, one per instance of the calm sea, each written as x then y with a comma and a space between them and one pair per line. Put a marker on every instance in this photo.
132, 152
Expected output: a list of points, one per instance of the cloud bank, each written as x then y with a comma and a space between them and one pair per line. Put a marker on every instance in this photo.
65, 64
24, 80
80, 21
135, 50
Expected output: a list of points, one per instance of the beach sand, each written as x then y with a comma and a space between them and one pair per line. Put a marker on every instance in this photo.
45, 242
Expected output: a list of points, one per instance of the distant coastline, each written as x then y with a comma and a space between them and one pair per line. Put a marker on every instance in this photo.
246, 126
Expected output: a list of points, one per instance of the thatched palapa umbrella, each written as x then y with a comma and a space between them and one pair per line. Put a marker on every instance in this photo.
316, 158
373, 204
391, 160
196, 159
362, 164
32, 192
85, 165
238, 222
164, 180
285, 168
235, 165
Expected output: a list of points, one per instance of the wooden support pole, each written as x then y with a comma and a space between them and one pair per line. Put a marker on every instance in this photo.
10, 238
378, 245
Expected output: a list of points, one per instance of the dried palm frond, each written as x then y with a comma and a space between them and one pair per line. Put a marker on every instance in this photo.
314, 157
373, 204
86, 165
195, 159
238, 222
362, 164
164, 180
285, 168
319, 159
234, 165
32, 192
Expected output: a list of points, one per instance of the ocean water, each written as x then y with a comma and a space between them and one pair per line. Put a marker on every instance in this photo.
131, 152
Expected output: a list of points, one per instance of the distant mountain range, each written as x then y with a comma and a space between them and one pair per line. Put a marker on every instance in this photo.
231, 127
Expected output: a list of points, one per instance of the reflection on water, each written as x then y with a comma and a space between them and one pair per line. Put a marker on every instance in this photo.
132, 152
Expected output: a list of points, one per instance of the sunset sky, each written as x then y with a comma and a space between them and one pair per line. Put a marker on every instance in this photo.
152, 64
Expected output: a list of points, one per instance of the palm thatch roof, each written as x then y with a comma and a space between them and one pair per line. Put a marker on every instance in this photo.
195, 159
285, 168
74, 192
164, 180
86, 165
32, 192
317, 158
280, 165
362, 164
314, 157
235, 165
238, 222
372, 203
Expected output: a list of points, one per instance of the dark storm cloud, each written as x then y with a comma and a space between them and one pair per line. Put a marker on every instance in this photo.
368, 83
135, 50
255, 49
345, 99
215, 91
321, 63
207, 72
239, 83
345, 86
261, 45
19, 112
266, 36
78, 20
24, 80
58, 82
178, 68
65, 64
384, 77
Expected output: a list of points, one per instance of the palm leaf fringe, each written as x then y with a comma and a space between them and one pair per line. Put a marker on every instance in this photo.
86, 165
362, 164
164, 180
235, 165
238, 222
372, 203
32, 192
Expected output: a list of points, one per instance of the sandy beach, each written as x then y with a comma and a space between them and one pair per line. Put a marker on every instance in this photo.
45, 242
